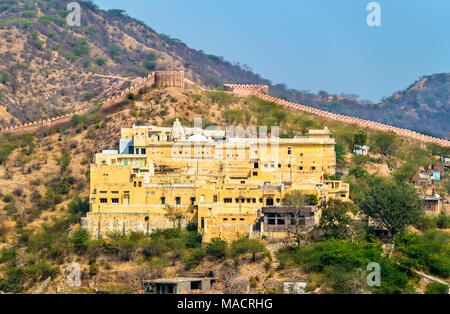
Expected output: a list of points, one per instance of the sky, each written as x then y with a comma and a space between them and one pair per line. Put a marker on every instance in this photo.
311, 44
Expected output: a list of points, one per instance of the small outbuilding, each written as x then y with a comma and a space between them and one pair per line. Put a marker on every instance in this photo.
181, 285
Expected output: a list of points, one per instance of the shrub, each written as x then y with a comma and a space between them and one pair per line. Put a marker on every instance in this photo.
194, 258
217, 248
93, 269
8, 198
436, 288
100, 61
80, 240
150, 65
428, 252
245, 246
443, 221
7, 255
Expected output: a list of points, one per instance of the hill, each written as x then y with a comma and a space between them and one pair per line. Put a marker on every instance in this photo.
48, 68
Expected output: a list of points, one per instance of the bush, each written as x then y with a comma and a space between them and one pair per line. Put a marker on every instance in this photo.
443, 221
427, 252
93, 269
7, 255
341, 265
436, 288
80, 240
8, 198
150, 65
217, 248
194, 258
245, 245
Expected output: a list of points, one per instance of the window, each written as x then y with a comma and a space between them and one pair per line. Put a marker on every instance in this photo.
289, 165
115, 200
289, 151
163, 201
143, 151
242, 219
131, 150
313, 168
192, 200
233, 219
178, 200
103, 200
255, 174
242, 182
225, 219
228, 200
256, 165
279, 165
300, 168
134, 183
202, 223
140, 184
214, 198
114, 192
301, 154
254, 200
269, 201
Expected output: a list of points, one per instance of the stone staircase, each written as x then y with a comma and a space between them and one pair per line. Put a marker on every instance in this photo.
273, 249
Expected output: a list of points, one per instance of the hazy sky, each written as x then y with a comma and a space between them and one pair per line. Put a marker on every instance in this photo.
311, 44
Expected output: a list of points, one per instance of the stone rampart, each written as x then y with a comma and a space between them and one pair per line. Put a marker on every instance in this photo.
158, 78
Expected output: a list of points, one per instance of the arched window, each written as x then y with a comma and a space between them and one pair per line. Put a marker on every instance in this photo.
269, 201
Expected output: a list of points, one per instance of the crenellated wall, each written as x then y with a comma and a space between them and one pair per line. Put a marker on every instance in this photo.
158, 78
249, 90
169, 78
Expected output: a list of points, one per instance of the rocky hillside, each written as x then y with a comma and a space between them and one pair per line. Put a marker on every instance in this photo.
423, 107
48, 68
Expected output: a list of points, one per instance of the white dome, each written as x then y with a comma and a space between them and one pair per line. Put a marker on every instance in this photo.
198, 138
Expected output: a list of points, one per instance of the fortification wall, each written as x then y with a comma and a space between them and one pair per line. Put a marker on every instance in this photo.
252, 90
169, 78
247, 90
159, 78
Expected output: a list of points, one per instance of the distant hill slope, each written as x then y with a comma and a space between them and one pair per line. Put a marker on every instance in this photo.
423, 107
48, 68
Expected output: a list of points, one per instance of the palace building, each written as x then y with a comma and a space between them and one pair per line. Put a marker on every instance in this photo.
218, 180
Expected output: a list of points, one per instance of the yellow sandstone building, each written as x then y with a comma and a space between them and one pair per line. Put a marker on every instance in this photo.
218, 180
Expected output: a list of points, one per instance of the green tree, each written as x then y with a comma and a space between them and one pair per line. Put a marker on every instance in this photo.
79, 240
336, 220
217, 248
360, 139
384, 143
395, 206
246, 245
357, 171
28, 142
295, 199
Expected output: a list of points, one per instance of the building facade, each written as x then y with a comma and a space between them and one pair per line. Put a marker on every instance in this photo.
214, 179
